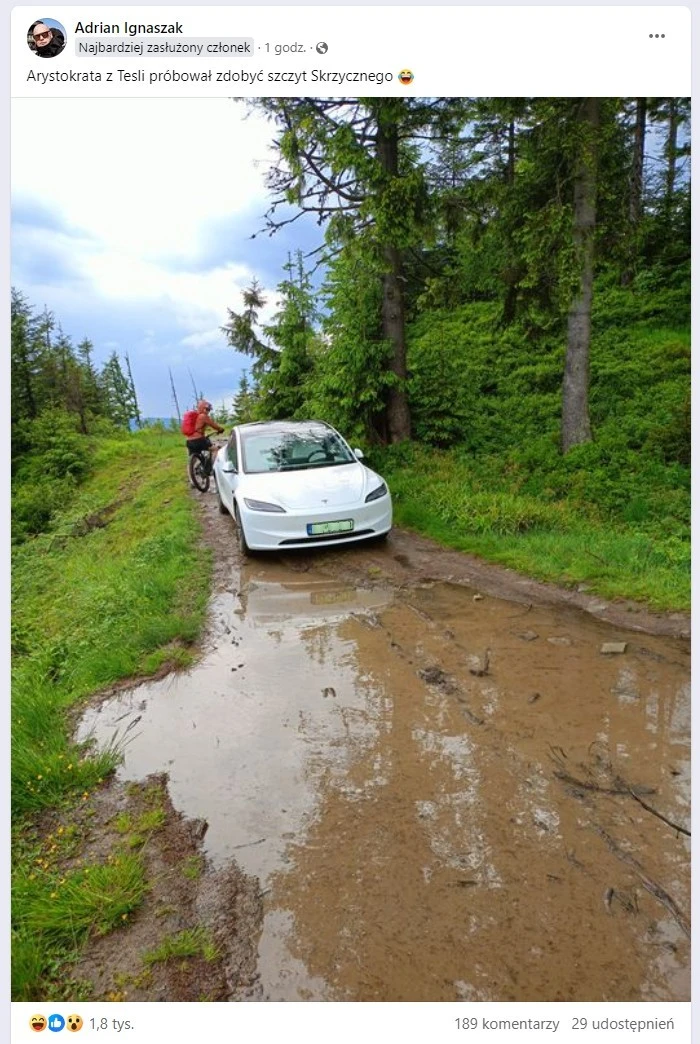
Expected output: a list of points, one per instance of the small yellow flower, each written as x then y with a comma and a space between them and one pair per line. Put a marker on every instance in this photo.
54, 895
70, 765
124, 917
60, 830
39, 777
32, 877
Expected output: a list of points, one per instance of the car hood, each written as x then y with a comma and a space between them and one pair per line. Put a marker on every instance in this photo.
314, 488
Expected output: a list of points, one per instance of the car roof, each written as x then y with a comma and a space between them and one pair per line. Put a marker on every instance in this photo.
282, 426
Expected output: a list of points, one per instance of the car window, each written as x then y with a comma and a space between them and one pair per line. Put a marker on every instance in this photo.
232, 451
293, 450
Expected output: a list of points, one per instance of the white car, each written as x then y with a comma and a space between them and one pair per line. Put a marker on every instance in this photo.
295, 484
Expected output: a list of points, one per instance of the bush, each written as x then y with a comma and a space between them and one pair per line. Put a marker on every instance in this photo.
34, 503
56, 448
58, 457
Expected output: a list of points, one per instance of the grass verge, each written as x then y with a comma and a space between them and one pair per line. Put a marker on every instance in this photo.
485, 511
116, 588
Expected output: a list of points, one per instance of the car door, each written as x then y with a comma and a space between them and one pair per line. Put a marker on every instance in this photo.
227, 471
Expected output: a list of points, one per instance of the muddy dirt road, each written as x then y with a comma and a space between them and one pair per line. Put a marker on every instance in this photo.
434, 776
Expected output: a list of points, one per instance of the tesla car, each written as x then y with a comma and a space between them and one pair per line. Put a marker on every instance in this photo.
297, 484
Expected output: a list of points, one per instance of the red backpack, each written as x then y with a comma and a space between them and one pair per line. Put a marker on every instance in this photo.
189, 422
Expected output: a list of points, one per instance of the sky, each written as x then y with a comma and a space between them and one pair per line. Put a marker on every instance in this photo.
131, 222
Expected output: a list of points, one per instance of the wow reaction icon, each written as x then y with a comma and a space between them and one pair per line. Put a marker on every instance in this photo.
74, 1023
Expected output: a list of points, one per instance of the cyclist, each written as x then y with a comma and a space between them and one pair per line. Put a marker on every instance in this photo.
199, 440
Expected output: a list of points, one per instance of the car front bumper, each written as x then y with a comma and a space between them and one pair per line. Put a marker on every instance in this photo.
270, 531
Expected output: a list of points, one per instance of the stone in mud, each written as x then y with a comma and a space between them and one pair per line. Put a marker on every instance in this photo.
433, 676
613, 648
559, 640
528, 636
198, 828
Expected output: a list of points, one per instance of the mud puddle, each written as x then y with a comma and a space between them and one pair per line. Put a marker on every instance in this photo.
439, 792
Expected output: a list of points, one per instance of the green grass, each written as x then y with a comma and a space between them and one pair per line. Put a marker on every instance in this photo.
192, 942
116, 588
55, 913
568, 540
192, 867
138, 828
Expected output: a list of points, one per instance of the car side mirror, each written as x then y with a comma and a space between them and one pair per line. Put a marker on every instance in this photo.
229, 469
359, 454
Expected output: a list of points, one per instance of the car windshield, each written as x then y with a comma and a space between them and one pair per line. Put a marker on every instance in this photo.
293, 450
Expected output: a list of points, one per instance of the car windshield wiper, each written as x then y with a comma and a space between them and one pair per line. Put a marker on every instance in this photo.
326, 463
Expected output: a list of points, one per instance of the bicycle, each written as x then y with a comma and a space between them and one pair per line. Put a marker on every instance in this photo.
199, 469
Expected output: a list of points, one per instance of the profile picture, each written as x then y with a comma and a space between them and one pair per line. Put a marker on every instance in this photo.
46, 37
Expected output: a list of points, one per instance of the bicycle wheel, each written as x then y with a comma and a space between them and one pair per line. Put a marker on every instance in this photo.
199, 472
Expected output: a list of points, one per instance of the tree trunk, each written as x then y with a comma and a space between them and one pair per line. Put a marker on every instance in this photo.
393, 310
575, 421
511, 279
177, 404
132, 389
394, 329
636, 183
640, 128
671, 150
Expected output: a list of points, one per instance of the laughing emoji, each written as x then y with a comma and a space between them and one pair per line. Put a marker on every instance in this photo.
406, 77
37, 1023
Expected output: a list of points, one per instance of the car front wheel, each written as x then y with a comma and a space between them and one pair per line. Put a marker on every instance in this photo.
223, 510
242, 543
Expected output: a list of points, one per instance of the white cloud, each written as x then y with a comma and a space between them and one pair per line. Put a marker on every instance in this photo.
141, 182
137, 189
143, 176
202, 340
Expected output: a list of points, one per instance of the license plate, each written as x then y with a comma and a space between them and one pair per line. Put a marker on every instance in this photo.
331, 597
322, 528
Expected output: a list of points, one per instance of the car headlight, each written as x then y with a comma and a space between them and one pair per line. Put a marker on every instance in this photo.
262, 505
380, 491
